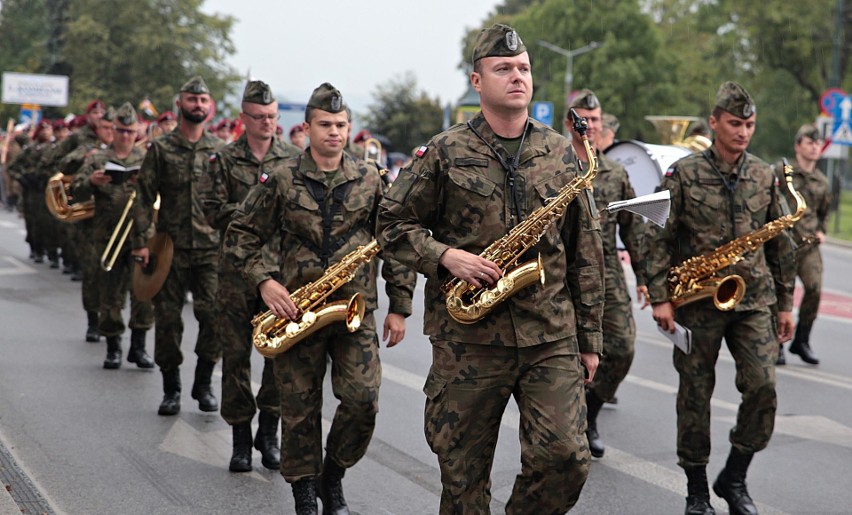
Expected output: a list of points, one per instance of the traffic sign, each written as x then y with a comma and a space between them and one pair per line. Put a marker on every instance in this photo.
543, 112
841, 131
30, 114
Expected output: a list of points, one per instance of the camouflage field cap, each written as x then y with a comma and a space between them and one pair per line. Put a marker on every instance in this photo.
585, 99
609, 121
109, 114
734, 99
808, 130
498, 40
327, 98
258, 92
125, 114
195, 85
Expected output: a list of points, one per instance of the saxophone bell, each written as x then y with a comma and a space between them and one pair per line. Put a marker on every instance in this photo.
726, 292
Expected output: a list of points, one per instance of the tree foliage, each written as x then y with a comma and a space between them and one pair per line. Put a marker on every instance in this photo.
669, 57
406, 116
142, 48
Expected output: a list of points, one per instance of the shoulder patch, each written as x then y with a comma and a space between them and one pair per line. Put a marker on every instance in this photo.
421, 151
777, 181
671, 171
213, 158
264, 176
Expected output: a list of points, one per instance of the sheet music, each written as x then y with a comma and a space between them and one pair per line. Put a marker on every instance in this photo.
654, 207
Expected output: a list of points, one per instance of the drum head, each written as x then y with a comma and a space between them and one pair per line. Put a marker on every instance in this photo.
645, 163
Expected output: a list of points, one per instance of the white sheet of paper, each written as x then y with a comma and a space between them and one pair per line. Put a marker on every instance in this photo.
655, 206
682, 337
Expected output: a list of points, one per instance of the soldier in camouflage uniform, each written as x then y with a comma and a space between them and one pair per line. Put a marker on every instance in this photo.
237, 168
324, 204
177, 168
26, 168
609, 127
81, 231
619, 328
465, 189
110, 201
808, 235
717, 196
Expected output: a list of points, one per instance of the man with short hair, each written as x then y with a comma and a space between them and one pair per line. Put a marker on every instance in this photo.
176, 167
466, 188
808, 235
257, 153
717, 196
619, 329
323, 203
111, 198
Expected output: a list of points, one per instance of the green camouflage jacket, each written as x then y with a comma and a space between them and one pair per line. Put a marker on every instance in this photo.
454, 195
286, 202
705, 215
177, 170
612, 184
234, 171
110, 199
814, 189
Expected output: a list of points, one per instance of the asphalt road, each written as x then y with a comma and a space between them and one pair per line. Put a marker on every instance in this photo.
79, 439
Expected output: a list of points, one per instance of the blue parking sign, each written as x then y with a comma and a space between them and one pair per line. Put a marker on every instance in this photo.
543, 112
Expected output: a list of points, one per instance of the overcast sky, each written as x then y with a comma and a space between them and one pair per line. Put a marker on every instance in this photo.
296, 46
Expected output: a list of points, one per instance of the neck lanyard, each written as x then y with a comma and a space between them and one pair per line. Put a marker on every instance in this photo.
731, 186
510, 167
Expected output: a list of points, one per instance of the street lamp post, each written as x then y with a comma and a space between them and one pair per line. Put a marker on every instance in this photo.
569, 70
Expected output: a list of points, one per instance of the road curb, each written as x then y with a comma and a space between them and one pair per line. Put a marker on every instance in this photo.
19, 494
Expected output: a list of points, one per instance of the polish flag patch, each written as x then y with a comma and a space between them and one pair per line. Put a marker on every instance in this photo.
263, 178
421, 151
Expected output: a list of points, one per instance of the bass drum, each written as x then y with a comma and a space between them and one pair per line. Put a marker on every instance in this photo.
645, 163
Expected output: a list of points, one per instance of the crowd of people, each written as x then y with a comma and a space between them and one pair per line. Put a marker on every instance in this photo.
250, 219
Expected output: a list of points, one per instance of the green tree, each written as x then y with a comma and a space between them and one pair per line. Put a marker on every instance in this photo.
145, 48
406, 116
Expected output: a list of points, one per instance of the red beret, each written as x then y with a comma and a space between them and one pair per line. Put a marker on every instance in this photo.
59, 124
168, 115
279, 129
362, 135
78, 121
296, 128
95, 104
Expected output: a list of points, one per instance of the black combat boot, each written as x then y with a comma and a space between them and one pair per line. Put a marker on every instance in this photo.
39, 257
92, 334
782, 360
201, 389
801, 345
54, 259
731, 485
241, 455
171, 392
593, 407
266, 440
331, 488
113, 357
698, 494
305, 495
137, 353
76, 274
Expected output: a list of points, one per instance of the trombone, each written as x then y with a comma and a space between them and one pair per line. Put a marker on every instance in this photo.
113, 248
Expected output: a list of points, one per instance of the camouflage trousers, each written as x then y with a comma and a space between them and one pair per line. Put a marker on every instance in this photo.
356, 374
195, 271
236, 306
619, 336
809, 270
89, 261
467, 390
115, 286
751, 339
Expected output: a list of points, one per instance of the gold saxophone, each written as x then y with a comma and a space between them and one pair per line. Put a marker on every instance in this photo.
272, 335
467, 303
695, 279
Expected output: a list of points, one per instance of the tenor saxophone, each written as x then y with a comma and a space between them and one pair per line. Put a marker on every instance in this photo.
695, 279
468, 303
272, 335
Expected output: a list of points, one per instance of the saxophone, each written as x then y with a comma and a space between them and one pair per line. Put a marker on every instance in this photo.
467, 303
696, 279
272, 335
